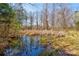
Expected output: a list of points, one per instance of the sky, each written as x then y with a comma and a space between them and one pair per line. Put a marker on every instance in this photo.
33, 7
39, 6
74, 6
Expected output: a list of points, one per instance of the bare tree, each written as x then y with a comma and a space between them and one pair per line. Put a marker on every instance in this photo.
45, 16
31, 17
41, 19
37, 25
63, 17
52, 19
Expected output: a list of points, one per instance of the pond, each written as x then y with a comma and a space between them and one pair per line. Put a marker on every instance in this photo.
32, 47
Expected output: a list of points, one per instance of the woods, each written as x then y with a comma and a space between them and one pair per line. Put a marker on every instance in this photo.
59, 17
54, 26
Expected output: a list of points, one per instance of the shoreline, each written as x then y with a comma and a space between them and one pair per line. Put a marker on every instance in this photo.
41, 32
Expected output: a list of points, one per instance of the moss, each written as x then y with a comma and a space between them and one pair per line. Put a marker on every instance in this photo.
43, 40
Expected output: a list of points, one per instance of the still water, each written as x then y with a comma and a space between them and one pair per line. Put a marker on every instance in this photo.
33, 47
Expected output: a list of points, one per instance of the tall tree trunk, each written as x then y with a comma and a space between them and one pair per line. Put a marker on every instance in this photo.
45, 16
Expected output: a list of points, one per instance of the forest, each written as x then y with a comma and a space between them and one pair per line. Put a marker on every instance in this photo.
39, 29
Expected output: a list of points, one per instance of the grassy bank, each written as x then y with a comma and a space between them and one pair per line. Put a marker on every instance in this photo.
69, 42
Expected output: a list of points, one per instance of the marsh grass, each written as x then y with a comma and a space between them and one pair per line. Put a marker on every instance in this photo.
69, 43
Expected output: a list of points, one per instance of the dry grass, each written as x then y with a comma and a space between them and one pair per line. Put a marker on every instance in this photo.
38, 32
69, 43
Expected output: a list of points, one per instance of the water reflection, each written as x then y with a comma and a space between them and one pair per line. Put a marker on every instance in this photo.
31, 47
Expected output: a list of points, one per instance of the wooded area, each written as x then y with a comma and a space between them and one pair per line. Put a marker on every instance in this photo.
59, 17
57, 20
